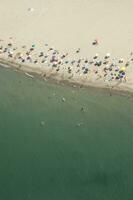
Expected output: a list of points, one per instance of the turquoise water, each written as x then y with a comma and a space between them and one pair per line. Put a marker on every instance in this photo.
52, 150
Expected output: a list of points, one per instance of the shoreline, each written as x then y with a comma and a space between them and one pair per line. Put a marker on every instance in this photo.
91, 46
45, 75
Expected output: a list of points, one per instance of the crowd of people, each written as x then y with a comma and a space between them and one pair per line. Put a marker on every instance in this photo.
106, 68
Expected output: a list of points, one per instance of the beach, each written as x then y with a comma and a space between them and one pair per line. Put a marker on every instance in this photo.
66, 99
83, 42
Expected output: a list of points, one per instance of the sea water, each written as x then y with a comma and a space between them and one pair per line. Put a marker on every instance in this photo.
63, 143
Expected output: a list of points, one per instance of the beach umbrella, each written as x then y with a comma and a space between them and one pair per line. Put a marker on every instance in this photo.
123, 69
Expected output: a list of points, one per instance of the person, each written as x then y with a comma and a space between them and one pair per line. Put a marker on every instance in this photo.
95, 42
107, 56
96, 56
127, 63
82, 109
78, 50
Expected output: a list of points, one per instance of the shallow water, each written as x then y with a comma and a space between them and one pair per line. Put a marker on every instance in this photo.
52, 150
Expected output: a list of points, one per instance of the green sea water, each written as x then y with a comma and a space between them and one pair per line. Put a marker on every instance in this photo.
51, 150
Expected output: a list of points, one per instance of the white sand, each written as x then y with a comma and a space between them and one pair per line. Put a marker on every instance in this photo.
69, 24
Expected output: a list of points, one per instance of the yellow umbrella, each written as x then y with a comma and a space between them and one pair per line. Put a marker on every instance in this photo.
123, 68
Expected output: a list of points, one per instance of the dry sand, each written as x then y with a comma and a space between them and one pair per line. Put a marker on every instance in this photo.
70, 24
